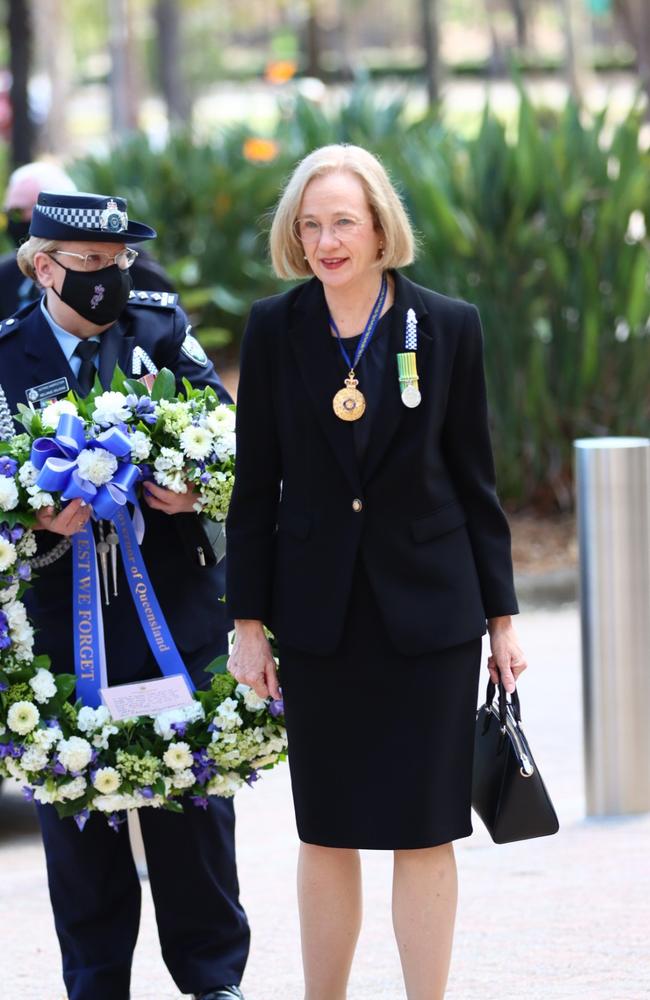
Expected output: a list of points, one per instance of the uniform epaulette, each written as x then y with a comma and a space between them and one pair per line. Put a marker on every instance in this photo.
168, 300
8, 326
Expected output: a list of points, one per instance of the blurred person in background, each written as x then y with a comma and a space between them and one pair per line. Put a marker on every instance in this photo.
24, 186
365, 531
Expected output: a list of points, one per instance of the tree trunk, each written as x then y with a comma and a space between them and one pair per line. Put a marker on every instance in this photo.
19, 29
54, 58
314, 65
521, 22
169, 61
123, 83
634, 18
497, 57
429, 20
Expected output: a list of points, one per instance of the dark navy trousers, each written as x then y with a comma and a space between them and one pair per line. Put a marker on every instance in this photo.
95, 894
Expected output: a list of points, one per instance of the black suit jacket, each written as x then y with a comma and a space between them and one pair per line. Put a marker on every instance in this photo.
422, 512
190, 594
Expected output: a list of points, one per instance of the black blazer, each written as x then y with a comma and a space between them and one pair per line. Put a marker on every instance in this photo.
189, 593
422, 513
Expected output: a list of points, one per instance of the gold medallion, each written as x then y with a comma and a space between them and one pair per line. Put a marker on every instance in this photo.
349, 403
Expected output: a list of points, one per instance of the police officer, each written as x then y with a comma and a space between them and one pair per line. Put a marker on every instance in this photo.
23, 189
88, 321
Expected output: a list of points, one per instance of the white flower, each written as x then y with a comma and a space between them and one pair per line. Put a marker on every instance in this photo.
96, 465
39, 498
111, 408
22, 717
196, 442
220, 420
52, 414
42, 684
15, 770
170, 459
115, 803
27, 545
183, 779
140, 446
107, 780
27, 474
73, 789
225, 445
8, 493
225, 785
178, 756
75, 753
8, 554
252, 701
34, 759
100, 740
90, 719
22, 633
165, 720
175, 415
636, 228
9, 594
45, 795
174, 482
45, 739
227, 716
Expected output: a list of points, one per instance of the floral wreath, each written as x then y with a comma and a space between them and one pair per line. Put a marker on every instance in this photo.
68, 754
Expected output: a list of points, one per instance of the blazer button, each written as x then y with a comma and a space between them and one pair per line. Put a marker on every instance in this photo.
357, 506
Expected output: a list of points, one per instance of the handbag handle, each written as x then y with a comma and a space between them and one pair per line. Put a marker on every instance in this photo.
503, 701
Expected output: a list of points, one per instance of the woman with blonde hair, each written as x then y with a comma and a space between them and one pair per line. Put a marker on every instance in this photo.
366, 532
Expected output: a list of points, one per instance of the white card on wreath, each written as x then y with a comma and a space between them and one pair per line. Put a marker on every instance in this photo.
126, 701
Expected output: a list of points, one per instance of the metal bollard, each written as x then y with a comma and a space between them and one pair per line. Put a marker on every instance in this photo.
613, 494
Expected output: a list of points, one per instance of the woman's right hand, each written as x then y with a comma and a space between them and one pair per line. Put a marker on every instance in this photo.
251, 661
68, 521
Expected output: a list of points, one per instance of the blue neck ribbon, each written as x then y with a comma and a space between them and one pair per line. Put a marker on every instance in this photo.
370, 327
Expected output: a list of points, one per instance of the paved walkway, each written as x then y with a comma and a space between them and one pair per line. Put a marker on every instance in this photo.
559, 918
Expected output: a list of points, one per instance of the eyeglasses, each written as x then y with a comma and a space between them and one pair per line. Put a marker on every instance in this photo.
310, 231
97, 261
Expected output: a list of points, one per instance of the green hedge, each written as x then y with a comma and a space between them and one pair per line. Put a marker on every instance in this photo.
529, 222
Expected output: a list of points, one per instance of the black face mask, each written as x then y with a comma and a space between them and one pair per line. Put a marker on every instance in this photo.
98, 296
18, 230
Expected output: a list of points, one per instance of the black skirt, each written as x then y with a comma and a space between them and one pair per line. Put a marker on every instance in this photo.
380, 744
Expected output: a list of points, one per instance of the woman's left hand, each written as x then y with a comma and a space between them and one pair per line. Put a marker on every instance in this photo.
507, 660
167, 501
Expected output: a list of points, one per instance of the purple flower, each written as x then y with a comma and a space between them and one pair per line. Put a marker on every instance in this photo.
204, 768
252, 778
8, 466
146, 792
10, 750
3, 686
16, 533
206, 477
5, 643
180, 728
81, 818
199, 800
28, 793
58, 767
24, 571
115, 820
276, 707
143, 407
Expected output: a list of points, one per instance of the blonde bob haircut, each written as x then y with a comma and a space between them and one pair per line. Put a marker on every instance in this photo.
28, 250
287, 254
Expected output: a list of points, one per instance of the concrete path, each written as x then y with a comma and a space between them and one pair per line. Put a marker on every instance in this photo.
559, 918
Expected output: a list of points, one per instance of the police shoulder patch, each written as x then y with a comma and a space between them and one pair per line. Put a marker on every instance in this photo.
168, 300
193, 350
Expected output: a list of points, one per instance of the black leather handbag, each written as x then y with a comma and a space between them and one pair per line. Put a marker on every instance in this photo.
507, 789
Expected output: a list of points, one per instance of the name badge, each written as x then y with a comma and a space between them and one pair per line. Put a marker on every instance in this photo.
126, 701
41, 395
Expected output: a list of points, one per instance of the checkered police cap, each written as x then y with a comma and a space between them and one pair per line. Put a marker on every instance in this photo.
82, 216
